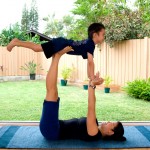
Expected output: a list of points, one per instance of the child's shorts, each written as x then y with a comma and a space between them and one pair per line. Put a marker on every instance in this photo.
48, 49
55, 45
49, 123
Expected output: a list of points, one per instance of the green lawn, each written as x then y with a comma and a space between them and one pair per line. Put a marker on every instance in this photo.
23, 101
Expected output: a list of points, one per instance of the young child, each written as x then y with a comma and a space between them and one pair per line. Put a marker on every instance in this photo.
85, 48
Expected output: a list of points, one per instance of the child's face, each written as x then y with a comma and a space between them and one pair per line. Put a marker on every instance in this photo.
100, 36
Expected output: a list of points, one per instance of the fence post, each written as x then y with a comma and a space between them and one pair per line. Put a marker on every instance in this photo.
39, 61
105, 58
1, 64
146, 55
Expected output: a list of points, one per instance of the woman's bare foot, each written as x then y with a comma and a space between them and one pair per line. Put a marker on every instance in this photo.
12, 44
65, 50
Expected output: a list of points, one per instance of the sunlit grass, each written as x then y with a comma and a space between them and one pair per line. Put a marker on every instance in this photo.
23, 101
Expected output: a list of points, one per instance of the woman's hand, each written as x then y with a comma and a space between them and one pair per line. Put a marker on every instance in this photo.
97, 80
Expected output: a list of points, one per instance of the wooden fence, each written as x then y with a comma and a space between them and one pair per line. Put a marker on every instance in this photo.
126, 61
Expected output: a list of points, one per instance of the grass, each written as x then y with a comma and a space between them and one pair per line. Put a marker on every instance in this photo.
23, 101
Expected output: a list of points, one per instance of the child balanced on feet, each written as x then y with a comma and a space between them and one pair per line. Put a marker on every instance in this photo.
84, 48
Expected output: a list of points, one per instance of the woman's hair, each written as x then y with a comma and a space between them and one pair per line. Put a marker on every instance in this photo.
118, 133
95, 28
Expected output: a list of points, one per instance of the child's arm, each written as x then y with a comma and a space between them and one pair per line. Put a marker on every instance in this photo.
90, 66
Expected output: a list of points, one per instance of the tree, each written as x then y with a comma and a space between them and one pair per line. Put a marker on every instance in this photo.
15, 31
123, 26
144, 8
30, 18
124, 23
58, 28
53, 27
33, 16
25, 19
120, 21
88, 11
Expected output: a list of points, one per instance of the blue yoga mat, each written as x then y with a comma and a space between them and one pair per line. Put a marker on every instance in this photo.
30, 137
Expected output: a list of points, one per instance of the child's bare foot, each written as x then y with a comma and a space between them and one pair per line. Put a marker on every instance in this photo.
65, 50
12, 44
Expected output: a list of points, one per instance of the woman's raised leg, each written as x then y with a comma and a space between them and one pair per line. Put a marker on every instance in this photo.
49, 123
51, 79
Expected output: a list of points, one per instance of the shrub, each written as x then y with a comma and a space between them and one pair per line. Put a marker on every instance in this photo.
107, 81
139, 89
66, 73
15, 31
125, 25
31, 67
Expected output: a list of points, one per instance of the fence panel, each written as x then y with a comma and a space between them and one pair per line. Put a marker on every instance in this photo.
126, 61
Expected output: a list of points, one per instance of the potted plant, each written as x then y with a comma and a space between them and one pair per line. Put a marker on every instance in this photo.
85, 84
31, 68
66, 73
107, 81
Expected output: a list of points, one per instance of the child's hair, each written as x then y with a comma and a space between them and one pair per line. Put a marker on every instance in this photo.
94, 28
118, 133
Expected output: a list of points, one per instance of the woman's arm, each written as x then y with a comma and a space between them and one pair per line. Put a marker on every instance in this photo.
91, 114
90, 66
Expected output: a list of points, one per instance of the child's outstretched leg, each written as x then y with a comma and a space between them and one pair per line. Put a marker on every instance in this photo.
30, 45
